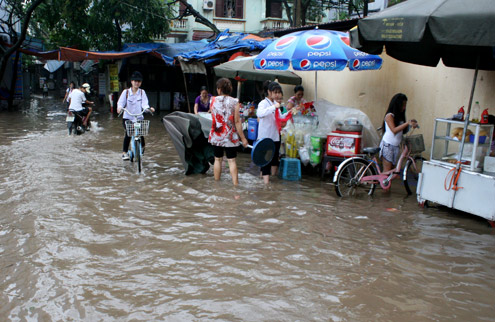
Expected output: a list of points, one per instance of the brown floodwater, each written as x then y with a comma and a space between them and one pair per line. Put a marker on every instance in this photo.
83, 237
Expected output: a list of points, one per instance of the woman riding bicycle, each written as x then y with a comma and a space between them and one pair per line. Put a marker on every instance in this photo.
135, 101
394, 125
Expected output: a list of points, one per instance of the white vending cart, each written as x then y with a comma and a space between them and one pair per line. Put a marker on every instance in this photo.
473, 190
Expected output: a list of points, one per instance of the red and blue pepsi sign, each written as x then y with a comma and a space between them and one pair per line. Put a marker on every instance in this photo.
272, 64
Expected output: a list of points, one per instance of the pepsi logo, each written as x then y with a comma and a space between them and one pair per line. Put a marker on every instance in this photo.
305, 64
356, 63
284, 42
318, 42
263, 63
346, 40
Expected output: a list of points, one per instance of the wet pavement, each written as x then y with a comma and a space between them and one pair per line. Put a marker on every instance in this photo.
83, 236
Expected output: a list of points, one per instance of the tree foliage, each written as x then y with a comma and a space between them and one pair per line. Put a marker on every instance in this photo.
100, 24
315, 10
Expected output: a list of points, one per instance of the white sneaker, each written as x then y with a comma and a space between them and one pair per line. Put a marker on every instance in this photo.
125, 157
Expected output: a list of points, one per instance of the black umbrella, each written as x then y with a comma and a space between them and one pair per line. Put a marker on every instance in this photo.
425, 31
460, 32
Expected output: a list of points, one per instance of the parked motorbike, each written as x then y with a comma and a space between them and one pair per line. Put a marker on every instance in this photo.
75, 123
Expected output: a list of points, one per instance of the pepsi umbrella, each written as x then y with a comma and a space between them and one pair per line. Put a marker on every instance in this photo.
315, 50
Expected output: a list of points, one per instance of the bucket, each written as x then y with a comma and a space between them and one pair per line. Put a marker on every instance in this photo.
252, 129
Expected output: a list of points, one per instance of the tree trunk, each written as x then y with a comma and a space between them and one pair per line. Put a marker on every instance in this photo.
4, 58
10, 101
297, 13
119, 35
288, 11
304, 8
190, 11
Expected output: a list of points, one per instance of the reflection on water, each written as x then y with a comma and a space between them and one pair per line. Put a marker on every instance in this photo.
84, 237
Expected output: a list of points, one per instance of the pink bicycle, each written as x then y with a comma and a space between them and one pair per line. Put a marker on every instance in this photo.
360, 174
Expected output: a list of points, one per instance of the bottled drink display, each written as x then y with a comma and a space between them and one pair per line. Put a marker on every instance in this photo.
475, 113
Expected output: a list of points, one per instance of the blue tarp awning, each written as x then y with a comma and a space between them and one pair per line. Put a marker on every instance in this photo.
190, 51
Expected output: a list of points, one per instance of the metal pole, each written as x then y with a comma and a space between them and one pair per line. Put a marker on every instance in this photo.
316, 85
466, 121
187, 94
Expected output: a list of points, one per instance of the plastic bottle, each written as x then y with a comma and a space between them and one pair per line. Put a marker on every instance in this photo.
460, 114
484, 117
475, 116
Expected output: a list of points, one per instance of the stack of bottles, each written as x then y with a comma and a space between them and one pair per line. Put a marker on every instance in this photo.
296, 137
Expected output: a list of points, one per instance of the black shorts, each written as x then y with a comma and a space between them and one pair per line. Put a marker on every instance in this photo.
82, 112
267, 169
230, 152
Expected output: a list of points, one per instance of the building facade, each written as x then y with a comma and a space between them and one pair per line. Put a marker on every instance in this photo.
250, 16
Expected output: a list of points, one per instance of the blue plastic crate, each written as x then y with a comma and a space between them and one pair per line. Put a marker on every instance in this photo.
290, 169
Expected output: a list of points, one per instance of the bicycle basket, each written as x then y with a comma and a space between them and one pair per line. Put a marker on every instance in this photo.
139, 128
415, 143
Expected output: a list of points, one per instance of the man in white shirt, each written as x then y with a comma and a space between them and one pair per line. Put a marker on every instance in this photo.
77, 99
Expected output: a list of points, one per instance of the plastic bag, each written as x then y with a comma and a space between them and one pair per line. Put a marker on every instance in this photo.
304, 155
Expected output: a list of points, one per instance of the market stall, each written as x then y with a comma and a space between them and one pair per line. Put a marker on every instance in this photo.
323, 133
473, 188
461, 34
314, 50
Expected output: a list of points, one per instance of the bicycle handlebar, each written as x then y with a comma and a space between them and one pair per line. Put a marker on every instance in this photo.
138, 114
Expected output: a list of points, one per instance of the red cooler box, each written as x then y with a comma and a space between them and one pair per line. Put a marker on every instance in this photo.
340, 143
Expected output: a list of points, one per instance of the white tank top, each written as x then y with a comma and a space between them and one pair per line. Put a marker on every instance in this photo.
389, 136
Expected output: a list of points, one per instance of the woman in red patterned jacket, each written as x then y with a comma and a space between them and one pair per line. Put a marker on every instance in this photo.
226, 129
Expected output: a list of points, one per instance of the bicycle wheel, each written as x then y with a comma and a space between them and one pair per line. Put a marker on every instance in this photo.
138, 154
411, 174
348, 184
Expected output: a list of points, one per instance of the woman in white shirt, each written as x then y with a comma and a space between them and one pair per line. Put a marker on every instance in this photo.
68, 91
135, 101
394, 125
267, 127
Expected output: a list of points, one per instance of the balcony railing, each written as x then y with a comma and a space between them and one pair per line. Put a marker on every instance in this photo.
274, 24
231, 24
178, 25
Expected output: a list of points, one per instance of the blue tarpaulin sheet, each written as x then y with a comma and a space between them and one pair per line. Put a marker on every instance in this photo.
226, 42
201, 50
189, 51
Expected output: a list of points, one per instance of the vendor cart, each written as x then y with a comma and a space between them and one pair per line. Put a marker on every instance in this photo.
471, 189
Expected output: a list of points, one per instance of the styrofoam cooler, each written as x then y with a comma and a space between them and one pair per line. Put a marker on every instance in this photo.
341, 143
252, 129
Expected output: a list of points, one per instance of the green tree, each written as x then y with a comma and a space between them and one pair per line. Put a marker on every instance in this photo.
300, 12
100, 24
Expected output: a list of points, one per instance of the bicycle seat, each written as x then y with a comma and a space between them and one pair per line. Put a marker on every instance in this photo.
371, 150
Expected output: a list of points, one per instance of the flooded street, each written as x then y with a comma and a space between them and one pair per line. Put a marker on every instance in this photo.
84, 237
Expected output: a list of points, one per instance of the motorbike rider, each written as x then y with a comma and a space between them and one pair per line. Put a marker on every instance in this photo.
77, 99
